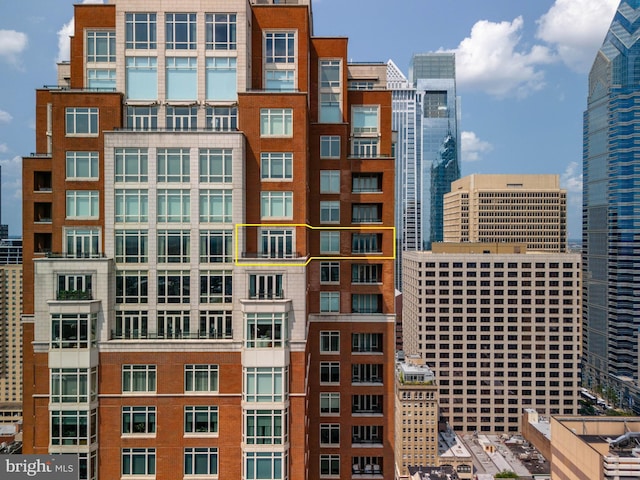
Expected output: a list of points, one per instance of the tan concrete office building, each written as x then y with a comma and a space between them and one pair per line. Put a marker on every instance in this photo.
10, 343
500, 330
530, 209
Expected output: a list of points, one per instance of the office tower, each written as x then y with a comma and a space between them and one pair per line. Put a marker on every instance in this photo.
426, 117
499, 329
530, 209
212, 290
10, 342
610, 226
4, 229
11, 251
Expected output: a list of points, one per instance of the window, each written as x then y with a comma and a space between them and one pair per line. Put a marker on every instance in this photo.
330, 465
366, 213
131, 165
330, 74
201, 419
329, 181
329, 242
330, 403
330, 111
276, 122
138, 378
81, 121
132, 206
173, 246
201, 378
366, 243
265, 384
182, 78
142, 118
265, 330
101, 47
173, 164
82, 242
276, 204
220, 31
180, 31
182, 118
280, 80
366, 182
132, 246
265, 286
366, 342
216, 246
329, 434
364, 147
131, 324
131, 287
74, 385
140, 31
141, 78
266, 427
215, 324
216, 287
280, 47
173, 324
74, 286
265, 465
366, 373
366, 303
173, 287
101, 79
330, 302
201, 461
435, 105
329, 342
276, 166
138, 461
329, 146
138, 420
222, 119
330, 212
329, 272
73, 427
73, 330
215, 206
276, 243
215, 165
330, 372
221, 78
366, 273
173, 206
365, 120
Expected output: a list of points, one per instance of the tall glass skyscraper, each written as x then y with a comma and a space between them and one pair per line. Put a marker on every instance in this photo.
426, 117
611, 210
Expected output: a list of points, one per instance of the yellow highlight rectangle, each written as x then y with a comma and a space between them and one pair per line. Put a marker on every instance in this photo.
239, 262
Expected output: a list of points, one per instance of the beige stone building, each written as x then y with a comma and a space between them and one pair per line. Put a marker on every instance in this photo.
10, 343
530, 209
500, 330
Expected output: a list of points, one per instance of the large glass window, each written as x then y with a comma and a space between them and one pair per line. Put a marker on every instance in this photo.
276, 165
366, 273
276, 243
131, 286
330, 403
101, 47
215, 206
265, 465
266, 427
102, 79
73, 330
173, 246
330, 302
366, 243
173, 324
201, 378
366, 182
215, 165
74, 385
142, 118
265, 384
74, 286
329, 146
132, 206
280, 47
140, 31
138, 420
201, 461
138, 378
280, 80
215, 324
173, 165
173, 206
131, 165
82, 242
131, 324
364, 147
329, 242
73, 427
276, 122
329, 272
180, 31
329, 342
330, 108
366, 303
141, 78
216, 246
83, 204
81, 121
330, 372
173, 287
330, 434
265, 286
366, 212
222, 119
220, 31
365, 119
182, 118
182, 78
265, 330
330, 212
276, 204
330, 465
201, 419
216, 287
82, 165
329, 181
138, 461
221, 81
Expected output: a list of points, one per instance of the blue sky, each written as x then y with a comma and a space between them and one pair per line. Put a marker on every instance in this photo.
522, 69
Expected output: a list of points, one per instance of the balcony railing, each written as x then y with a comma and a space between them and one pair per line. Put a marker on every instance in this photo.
74, 255
276, 255
199, 335
74, 295
366, 410
366, 441
267, 295
366, 380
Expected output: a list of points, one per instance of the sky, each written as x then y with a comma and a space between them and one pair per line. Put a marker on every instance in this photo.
521, 69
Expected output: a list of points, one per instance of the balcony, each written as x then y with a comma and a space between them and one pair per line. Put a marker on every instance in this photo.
366, 467
273, 255
178, 335
42, 182
74, 295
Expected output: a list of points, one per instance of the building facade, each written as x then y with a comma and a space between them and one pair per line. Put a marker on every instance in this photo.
426, 117
530, 209
208, 245
10, 343
610, 219
500, 330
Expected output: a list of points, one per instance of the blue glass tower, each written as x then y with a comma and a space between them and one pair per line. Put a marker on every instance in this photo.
611, 210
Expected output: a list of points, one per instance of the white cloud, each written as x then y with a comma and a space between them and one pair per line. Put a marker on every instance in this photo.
5, 117
12, 177
571, 179
12, 44
576, 29
3, 148
492, 60
473, 147
63, 36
